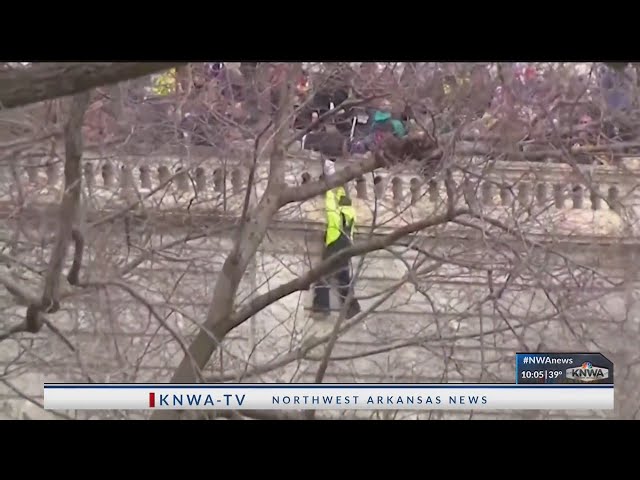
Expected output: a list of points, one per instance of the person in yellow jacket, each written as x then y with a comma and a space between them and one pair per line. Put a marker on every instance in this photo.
340, 227
165, 83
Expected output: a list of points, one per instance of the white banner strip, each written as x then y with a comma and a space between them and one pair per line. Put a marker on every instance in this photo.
327, 397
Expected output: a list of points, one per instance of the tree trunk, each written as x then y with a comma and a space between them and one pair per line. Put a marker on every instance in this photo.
250, 236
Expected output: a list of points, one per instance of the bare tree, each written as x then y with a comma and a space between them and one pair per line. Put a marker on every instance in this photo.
503, 221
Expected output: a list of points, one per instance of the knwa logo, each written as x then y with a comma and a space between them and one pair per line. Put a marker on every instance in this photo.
587, 373
194, 400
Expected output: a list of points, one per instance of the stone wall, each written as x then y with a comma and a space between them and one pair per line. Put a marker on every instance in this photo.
576, 288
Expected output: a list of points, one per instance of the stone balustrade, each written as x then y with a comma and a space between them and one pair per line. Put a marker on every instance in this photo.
593, 196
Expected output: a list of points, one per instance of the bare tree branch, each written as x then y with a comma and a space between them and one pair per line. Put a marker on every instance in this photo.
73, 277
69, 211
327, 266
51, 80
50, 301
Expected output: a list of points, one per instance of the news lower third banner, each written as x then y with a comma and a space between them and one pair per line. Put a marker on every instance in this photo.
585, 396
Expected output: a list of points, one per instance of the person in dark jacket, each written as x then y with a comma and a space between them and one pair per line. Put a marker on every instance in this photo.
382, 125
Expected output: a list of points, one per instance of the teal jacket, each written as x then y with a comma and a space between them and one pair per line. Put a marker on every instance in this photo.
399, 129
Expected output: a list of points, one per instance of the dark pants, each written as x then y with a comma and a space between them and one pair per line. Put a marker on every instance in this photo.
322, 288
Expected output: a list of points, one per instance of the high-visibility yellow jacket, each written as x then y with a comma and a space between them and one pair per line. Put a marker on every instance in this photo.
165, 83
461, 81
341, 218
